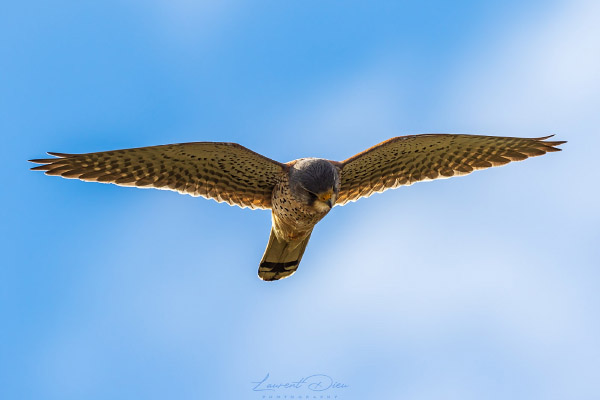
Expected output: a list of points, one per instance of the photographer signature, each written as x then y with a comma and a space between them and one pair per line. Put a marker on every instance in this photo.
316, 383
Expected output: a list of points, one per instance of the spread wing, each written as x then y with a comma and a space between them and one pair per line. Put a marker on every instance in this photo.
220, 171
405, 160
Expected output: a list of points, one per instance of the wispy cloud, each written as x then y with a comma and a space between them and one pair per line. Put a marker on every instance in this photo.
546, 70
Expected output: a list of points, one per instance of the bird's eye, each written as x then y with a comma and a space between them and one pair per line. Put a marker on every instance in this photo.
312, 194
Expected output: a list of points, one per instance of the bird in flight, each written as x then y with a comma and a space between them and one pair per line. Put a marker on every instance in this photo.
301, 192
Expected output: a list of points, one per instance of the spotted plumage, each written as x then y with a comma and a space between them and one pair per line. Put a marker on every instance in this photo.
301, 192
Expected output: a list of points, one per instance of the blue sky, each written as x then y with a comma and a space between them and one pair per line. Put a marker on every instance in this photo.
476, 287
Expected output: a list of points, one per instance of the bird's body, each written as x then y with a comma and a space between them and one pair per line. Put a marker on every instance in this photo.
293, 219
301, 192
300, 200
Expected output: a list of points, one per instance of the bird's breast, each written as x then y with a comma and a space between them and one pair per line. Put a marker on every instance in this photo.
291, 215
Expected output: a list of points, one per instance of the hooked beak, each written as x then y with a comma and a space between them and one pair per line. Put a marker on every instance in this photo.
327, 198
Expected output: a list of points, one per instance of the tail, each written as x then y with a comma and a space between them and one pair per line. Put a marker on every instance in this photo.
281, 258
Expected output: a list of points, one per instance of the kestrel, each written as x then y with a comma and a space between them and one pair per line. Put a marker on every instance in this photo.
301, 192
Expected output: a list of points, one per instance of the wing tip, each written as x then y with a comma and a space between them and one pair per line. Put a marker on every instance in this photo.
43, 167
56, 156
59, 155
550, 145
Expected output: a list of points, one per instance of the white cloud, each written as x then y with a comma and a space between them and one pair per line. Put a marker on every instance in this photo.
543, 71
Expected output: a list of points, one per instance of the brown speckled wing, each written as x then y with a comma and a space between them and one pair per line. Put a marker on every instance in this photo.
405, 160
221, 171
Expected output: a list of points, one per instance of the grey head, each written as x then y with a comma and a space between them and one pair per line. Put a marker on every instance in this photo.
315, 182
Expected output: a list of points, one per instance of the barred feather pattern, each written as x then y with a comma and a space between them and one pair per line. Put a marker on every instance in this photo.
405, 160
225, 172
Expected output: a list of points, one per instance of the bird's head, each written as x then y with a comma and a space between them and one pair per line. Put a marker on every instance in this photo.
315, 182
